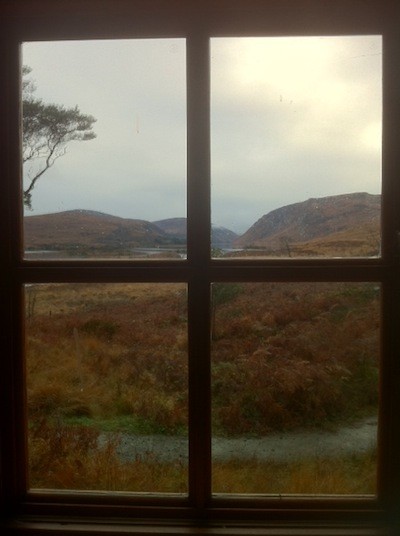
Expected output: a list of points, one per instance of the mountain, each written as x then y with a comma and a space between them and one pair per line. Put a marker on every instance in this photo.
176, 228
79, 230
345, 224
341, 225
221, 237
74, 229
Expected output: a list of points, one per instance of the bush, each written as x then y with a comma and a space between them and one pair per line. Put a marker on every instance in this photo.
100, 328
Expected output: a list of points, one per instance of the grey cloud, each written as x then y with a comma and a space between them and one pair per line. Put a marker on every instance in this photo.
271, 144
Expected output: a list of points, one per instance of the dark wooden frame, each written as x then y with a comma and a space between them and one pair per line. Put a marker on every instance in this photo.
37, 513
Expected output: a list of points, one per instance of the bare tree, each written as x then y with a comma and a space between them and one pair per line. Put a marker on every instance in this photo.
47, 129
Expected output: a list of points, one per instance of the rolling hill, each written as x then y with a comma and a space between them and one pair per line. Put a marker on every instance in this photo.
89, 229
341, 225
221, 237
345, 224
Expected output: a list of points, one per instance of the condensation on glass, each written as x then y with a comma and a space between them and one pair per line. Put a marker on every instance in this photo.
115, 187
296, 146
107, 386
295, 373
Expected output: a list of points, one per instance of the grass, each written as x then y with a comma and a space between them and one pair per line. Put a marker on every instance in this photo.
71, 457
347, 475
114, 358
65, 457
128, 424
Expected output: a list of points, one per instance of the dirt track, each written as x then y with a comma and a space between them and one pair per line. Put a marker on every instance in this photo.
350, 439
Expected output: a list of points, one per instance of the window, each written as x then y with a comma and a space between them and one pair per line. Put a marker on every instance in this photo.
251, 359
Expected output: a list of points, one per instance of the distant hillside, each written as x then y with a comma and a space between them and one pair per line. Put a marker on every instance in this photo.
81, 230
89, 229
221, 237
176, 227
342, 225
345, 224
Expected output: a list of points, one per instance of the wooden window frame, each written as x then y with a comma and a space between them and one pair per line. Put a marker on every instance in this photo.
200, 512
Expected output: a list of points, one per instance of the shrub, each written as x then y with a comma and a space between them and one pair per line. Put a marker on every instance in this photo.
74, 457
100, 328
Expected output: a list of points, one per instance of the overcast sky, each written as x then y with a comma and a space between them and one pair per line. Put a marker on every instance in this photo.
292, 118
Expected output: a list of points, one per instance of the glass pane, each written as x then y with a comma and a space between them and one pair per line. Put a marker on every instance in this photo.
107, 386
295, 387
296, 145
108, 178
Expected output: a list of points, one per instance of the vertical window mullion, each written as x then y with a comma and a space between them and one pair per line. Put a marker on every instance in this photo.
13, 449
389, 483
198, 247
198, 128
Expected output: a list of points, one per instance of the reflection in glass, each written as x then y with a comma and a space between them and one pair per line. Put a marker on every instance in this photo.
296, 145
295, 387
116, 187
107, 386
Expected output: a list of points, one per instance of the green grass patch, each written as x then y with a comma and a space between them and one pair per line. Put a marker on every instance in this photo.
123, 423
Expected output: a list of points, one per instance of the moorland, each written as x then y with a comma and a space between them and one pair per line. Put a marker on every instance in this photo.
112, 359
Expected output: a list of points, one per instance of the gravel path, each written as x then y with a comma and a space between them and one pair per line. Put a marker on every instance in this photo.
357, 438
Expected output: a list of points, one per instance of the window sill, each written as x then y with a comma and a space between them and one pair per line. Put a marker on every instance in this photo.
36, 527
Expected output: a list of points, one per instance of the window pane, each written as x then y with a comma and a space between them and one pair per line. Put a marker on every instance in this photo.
122, 193
296, 145
295, 387
107, 386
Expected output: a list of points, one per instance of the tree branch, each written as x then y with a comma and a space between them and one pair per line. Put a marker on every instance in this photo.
47, 128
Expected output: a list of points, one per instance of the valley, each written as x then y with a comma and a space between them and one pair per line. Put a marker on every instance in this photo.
346, 225
294, 366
